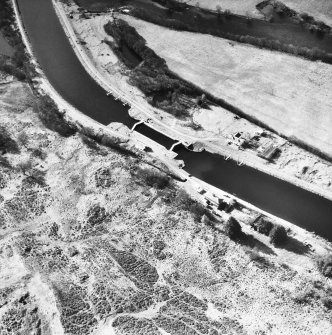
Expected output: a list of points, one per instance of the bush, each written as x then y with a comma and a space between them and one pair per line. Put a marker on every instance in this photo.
25, 166
18, 65
278, 235
163, 88
227, 13
233, 228
262, 225
306, 296
327, 302
304, 16
52, 118
325, 266
96, 215
184, 201
38, 153
260, 260
153, 178
4, 162
7, 144
6, 65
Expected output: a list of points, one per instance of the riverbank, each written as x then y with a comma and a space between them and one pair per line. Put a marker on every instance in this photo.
275, 196
115, 131
108, 70
41, 83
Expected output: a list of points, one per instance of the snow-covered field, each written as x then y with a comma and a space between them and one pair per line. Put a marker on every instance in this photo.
291, 95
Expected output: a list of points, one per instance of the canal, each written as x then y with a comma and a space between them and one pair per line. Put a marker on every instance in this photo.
69, 78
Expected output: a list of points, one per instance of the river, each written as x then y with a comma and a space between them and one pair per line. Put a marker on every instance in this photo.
69, 78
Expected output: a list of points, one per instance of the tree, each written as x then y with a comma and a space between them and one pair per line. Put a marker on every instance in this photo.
233, 228
52, 118
278, 235
7, 144
227, 13
325, 266
262, 225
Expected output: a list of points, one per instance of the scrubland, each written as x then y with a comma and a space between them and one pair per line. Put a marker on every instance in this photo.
95, 241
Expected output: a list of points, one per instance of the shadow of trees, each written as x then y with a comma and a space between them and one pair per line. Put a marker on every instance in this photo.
294, 245
253, 243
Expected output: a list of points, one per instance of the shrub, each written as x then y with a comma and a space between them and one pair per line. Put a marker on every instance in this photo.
38, 153
259, 260
306, 296
96, 215
233, 228
4, 162
90, 143
227, 13
304, 16
7, 144
184, 201
52, 118
23, 139
262, 225
325, 266
162, 87
327, 302
38, 176
278, 235
153, 178
25, 166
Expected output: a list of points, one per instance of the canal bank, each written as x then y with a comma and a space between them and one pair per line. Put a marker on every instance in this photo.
142, 111
63, 69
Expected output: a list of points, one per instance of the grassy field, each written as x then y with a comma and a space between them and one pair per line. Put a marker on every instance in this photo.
5, 48
320, 9
288, 93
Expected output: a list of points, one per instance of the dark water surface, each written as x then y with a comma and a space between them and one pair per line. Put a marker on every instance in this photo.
274, 195
62, 67
68, 76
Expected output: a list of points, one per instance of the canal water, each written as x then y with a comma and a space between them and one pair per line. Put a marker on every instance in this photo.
69, 78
